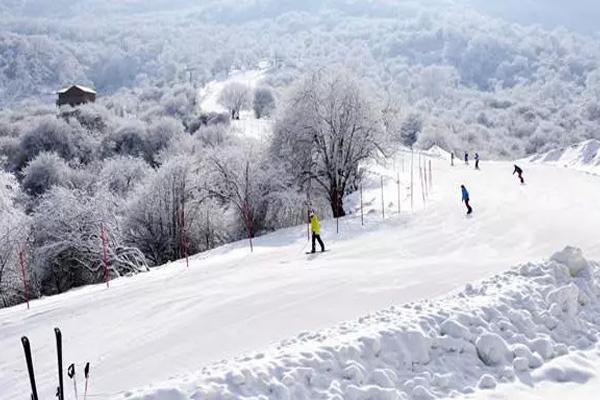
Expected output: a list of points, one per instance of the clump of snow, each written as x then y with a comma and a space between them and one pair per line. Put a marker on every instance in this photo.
510, 327
493, 350
573, 259
487, 382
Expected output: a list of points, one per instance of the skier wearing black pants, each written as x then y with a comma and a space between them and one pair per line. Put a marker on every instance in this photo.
476, 160
519, 172
315, 227
466, 199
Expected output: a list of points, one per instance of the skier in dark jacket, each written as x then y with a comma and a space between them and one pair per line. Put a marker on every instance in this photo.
466, 199
466, 158
519, 172
476, 160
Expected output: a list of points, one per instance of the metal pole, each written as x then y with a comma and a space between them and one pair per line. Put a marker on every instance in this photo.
248, 226
104, 258
412, 178
399, 200
337, 211
362, 214
25, 286
382, 200
425, 181
182, 235
421, 181
430, 176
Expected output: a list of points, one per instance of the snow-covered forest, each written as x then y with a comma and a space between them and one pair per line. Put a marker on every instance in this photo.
162, 176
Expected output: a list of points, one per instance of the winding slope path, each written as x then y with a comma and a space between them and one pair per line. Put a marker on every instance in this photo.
173, 320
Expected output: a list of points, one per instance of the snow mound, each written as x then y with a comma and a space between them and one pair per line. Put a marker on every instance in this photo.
509, 327
573, 259
584, 156
437, 152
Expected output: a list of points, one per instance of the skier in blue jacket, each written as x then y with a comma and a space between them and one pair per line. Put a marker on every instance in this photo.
466, 199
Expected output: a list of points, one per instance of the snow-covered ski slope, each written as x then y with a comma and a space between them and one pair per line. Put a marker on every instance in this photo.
163, 324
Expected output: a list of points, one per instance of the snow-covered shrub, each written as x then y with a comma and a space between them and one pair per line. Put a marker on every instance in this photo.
153, 218
128, 140
159, 136
67, 240
248, 183
121, 174
264, 102
410, 129
47, 134
45, 171
14, 229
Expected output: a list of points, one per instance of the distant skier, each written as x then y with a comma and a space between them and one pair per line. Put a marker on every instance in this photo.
466, 158
519, 172
466, 199
476, 160
452, 159
315, 227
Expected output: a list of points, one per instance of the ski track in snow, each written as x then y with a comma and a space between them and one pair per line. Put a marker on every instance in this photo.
506, 328
157, 326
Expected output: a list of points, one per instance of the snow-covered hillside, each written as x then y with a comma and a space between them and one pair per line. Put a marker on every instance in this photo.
584, 156
248, 125
162, 327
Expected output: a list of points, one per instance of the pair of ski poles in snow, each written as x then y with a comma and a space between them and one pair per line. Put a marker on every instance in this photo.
71, 375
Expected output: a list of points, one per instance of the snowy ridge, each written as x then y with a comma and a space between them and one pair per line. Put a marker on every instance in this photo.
584, 156
503, 329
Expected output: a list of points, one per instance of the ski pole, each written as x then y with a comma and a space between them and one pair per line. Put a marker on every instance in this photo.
86, 372
71, 373
60, 393
28, 359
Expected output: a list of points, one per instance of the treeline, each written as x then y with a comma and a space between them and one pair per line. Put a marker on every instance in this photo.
472, 81
156, 175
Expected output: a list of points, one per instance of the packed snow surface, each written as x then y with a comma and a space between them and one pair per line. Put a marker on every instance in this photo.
158, 326
508, 328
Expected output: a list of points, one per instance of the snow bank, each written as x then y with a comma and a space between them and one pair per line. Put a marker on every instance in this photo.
584, 156
506, 328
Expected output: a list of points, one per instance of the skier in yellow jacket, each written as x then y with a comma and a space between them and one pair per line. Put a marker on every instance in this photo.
315, 227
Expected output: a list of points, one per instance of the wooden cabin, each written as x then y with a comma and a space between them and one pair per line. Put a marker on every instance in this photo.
75, 95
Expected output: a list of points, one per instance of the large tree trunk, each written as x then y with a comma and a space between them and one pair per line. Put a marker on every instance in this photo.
337, 204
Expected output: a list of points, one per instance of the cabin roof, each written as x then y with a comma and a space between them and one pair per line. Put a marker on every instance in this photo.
82, 88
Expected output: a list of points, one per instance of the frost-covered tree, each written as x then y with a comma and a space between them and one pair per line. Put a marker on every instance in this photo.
264, 102
45, 171
235, 97
330, 126
47, 134
410, 129
66, 232
122, 174
159, 136
128, 140
14, 229
242, 178
153, 218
